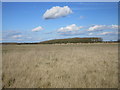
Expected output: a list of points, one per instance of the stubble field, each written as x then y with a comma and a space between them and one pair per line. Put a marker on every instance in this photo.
60, 66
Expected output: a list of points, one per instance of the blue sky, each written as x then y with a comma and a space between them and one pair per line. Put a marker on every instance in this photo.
31, 22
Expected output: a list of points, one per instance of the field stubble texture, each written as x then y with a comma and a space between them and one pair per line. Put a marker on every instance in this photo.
60, 66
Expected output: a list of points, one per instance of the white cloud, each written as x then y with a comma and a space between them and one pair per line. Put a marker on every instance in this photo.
56, 12
39, 28
105, 33
90, 34
70, 28
97, 27
16, 36
115, 26
102, 27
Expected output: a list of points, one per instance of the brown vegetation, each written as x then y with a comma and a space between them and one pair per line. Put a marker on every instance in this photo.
60, 66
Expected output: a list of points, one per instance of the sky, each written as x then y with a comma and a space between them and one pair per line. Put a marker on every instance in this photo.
41, 21
60, 0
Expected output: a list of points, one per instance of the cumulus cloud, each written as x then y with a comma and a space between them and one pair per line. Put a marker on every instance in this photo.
39, 28
105, 33
96, 27
90, 33
68, 28
16, 36
56, 12
13, 35
10, 34
102, 27
115, 26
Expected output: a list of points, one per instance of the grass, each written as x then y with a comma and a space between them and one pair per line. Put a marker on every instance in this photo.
60, 66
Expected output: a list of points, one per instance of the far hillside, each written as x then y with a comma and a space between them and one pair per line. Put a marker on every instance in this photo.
73, 40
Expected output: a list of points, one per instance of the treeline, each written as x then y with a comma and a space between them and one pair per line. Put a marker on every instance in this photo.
73, 40
65, 41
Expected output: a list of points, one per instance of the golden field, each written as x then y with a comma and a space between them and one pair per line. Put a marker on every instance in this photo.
60, 66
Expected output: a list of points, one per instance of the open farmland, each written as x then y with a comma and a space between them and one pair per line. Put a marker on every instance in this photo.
60, 66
